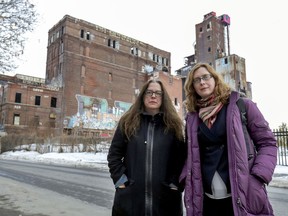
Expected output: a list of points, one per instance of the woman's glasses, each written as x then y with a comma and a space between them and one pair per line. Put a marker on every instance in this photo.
156, 93
205, 77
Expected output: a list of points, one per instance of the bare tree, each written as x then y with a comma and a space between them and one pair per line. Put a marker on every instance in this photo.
16, 18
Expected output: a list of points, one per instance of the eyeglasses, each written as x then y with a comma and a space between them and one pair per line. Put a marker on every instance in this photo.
205, 77
156, 93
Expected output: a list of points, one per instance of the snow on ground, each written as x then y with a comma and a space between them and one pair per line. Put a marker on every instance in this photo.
99, 160
79, 159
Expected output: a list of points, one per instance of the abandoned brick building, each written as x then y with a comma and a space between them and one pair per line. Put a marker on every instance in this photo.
213, 46
28, 105
95, 74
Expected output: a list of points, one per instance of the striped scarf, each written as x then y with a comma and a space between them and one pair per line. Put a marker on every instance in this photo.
209, 109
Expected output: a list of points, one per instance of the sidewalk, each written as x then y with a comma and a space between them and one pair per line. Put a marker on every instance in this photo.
280, 177
279, 180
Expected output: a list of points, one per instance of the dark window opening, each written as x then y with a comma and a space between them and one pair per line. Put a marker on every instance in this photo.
37, 100
82, 33
53, 102
18, 98
88, 35
113, 43
134, 51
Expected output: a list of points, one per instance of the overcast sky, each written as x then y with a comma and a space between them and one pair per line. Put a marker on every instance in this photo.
258, 33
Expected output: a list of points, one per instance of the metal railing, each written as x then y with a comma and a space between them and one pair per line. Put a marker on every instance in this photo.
282, 143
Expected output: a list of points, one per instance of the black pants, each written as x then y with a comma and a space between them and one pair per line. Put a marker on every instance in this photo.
217, 207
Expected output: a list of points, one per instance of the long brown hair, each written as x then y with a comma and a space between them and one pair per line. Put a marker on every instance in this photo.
130, 121
222, 90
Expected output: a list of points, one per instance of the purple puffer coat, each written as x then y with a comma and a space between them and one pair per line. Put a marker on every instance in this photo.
248, 190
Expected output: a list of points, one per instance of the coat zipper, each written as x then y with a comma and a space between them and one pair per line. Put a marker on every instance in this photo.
148, 169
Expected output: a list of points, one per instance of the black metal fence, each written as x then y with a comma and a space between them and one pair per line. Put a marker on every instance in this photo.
282, 143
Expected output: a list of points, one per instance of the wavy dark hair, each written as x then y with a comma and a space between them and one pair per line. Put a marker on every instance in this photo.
130, 121
222, 90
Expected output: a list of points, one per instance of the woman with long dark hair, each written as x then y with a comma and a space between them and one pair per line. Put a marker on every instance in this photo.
146, 156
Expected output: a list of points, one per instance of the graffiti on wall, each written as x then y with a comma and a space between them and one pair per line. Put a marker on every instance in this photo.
95, 113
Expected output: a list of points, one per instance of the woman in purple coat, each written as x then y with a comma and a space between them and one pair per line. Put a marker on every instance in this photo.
220, 178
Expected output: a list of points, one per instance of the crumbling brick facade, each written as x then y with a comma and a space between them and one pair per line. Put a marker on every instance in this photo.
101, 71
28, 106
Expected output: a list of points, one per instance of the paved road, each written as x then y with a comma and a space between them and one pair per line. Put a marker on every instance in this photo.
30, 189
47, 190
279, 200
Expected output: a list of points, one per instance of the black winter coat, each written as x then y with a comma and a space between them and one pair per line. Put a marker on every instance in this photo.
151, 160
